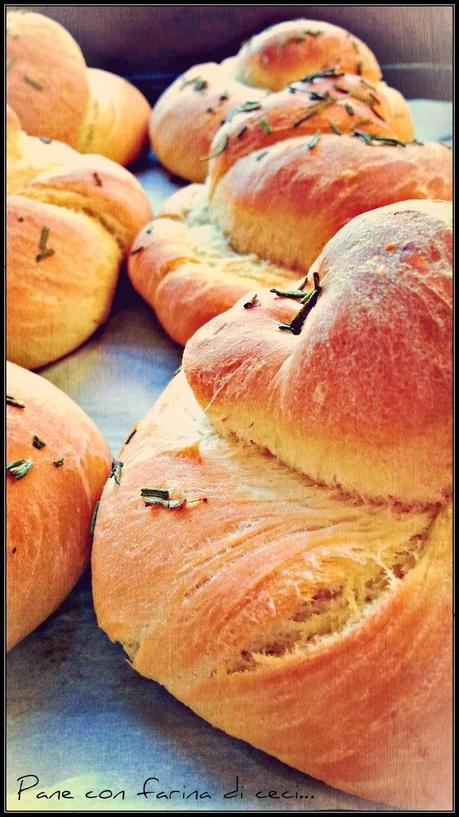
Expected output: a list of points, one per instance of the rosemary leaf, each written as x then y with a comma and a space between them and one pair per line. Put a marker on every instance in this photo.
11, 401
117, 466
218, 149
134, 431
251, 302
308, 302
159, 493
261, 155
328, 72
97, 179
315, 140
335, 129
33, 82
37, 443
265, 125
59, 462
349, 109
92, 526
19, 468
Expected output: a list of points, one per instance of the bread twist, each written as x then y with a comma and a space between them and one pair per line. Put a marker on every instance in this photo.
285, 175
71, 220
290, 579
188, 114
56, 96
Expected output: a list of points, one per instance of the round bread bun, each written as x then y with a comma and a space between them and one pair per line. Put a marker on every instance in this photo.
56, 96
273, 198
70, 221
189, 113
313, 626
57, 464
357, 394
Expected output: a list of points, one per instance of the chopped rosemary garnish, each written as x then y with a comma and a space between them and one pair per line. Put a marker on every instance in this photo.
250, 303
134, 431
328, 72
11, 401
149, 229
159, 493
37, 443
219, 148
33, 83
137, 249
224, 96
383, 140
265, 125
309, 301
315, 140
313, 33
248, 106
59, 462
19, 468
97, 179
45, 252
314, 109
92, 526
241, 132
335, 128
349, 109
287, 293
117, 466
200, 84
376, 113
261, 155
316, 95
160, 496
45, 140
210, 110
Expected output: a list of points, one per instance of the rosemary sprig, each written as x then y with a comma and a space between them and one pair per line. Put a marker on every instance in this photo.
251, 302
115, 473
159, 493
349, 109
369, 139
92, 526
335, 128
287, 293
37, 442
261, 155
45, 140
19, 468
45, 252
11, 401
97, 179
59, 462
309, 301
200, 84
317, 95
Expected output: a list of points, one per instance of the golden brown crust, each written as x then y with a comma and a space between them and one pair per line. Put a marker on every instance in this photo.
243, 572
49, 509
190, 112
71, 219
116, 122
290, 50
382, 319
282, 200
311, 193
56, 96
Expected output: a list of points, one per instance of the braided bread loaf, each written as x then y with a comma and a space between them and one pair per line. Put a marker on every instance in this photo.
56, 96
70, 221
57, 463
290, 579
188, 114
286, 174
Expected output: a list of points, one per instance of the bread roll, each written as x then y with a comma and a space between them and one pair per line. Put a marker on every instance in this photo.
56, 96
189, 113
71, 220
57, 463
273, 198
290, 580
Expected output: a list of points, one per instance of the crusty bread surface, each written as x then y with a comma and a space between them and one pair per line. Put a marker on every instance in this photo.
49, 508
56, 96
70, 221
312, 625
